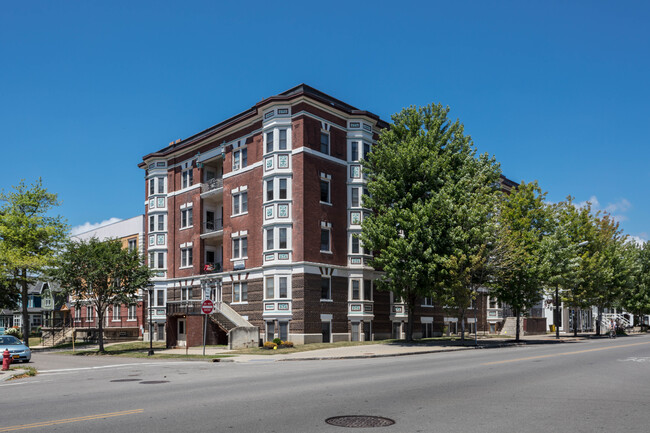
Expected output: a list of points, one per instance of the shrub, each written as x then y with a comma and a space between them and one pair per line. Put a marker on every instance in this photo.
35, 331
277, 341
286, 344
269, 345
15, 331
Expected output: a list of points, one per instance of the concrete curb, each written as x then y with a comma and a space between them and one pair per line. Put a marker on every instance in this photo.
6, 375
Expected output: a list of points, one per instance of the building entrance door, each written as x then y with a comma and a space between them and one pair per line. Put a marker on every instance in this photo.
182, 333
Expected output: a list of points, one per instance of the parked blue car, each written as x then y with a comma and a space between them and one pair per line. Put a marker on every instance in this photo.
16, 348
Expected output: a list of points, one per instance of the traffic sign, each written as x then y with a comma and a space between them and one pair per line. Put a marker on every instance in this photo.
207, 307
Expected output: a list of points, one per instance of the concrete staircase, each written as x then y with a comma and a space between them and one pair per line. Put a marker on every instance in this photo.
605, 322
241, 334
510, 326
55, 336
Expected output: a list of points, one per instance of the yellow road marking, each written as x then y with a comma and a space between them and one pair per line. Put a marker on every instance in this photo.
69, 420
562, 354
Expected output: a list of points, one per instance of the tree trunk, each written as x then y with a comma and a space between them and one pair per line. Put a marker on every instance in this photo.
462, 327
100, 337
600, 317
517, 315
409, 324
25, 302
575, 322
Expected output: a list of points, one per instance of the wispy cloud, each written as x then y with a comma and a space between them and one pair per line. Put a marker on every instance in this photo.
638, 239
621, 206
595, 204
87, 226
616, 209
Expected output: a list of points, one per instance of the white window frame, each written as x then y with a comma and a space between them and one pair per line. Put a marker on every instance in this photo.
269, 239
352, 146
359, 281
359, 192
286, 139
276, 236
187, 257
187, 178
354, 236
276, 280
239, 158
326, 180
322, 134
329, 242
131, 313
161, 185
116, 313
329, 288
238, 292
187, 217
186, 293
239, 241
90, 313
237, 198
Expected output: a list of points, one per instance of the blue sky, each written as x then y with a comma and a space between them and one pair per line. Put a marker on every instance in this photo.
557, 91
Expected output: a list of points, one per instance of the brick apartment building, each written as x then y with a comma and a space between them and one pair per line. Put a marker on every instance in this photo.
121, 322
260, 213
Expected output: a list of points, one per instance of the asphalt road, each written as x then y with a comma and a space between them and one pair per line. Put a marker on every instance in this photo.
591, 386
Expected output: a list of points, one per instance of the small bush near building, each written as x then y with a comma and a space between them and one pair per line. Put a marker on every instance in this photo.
15, 331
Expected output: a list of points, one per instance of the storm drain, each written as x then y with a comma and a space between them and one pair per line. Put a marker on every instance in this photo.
354, 421
153, 382
126, 380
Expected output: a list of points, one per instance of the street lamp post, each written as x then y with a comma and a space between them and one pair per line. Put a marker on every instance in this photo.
150, 289
556, 319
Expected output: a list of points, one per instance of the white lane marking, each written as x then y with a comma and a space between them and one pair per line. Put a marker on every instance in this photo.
635, 359
25, 383
99, 367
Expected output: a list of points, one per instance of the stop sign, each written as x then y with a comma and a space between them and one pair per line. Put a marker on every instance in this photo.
207, 307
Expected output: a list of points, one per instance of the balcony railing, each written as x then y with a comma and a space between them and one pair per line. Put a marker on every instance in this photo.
210, 268
212, 226
184, 307
212, 184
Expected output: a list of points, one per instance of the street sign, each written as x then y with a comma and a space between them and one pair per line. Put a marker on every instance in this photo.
207, 307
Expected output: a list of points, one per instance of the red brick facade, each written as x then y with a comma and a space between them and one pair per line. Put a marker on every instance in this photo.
271, 162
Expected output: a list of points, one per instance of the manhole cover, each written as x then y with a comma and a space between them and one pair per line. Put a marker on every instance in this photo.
359, 421
126, 380
153, 382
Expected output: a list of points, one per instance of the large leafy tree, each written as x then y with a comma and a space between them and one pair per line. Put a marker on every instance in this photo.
424, 182
610, 265
579, 228
101, 273
29, 239
523, 223
636, 296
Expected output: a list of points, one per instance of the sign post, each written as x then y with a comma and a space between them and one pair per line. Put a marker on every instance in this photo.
207, 307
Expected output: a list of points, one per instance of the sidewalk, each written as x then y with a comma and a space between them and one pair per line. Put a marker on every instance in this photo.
378, 350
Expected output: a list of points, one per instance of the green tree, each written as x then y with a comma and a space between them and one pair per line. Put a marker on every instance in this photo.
636, 298
610, 266
424, 181
29, 239
578, 224
101, 274
523, 222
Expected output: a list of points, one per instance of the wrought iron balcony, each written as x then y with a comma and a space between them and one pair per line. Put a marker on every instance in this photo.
184, 307
212, 184
212, 226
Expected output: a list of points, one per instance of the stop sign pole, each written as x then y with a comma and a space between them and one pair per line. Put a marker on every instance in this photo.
207, 307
